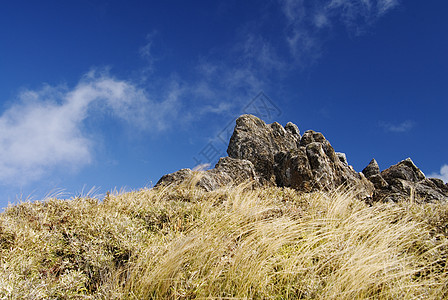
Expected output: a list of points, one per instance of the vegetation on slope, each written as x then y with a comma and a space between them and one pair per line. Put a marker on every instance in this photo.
182, 243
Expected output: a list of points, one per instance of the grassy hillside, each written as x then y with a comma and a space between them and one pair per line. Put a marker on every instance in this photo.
234, 243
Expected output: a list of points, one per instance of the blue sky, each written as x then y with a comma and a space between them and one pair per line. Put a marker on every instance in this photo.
114, 94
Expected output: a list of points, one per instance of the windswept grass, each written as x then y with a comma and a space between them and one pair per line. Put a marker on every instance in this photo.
234, 243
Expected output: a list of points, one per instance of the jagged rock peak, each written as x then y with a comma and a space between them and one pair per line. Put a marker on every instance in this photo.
311, 136
293, 129
372, 168
258, 142
281, 157
342, 157
404, 181
270, 154
405, 169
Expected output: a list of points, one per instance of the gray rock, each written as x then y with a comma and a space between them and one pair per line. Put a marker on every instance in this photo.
239, 169
315, 166
213, 179
227, 171
254, 140
311, 136
275, 155
372, 169
293, 129
404, 182
378, 181
342, 157
405, 169
175, 178
293, 169
439, 184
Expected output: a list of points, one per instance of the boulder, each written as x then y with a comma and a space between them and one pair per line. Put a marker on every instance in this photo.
239, 170
175, 178
405, 170
403, 182
372, 173
227, 171
378, 181
293, 169
314, 166
372, 169
439, 183
254, 140
293, 129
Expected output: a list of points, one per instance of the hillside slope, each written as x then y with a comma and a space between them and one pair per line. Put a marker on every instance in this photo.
181, 242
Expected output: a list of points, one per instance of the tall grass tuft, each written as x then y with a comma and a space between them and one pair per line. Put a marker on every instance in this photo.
179, 242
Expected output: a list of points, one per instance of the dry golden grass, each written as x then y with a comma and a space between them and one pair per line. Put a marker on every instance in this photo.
233, 243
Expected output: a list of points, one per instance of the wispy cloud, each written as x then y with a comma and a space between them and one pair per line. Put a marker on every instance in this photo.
383, 6
397, 128
358, 14
257, 59
255, 51
442, 175
302, 31
222, 88
44, 129
309, 21
147, 54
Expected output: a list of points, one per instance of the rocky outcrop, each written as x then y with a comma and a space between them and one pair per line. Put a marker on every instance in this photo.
342, 157
372, 169
404, 181
227, 171
372, 172
258, 142
270, 154
176, 177
314, 165
284, 158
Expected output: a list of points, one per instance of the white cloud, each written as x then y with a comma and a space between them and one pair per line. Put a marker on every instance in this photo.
442, 175
398, 128
43, 130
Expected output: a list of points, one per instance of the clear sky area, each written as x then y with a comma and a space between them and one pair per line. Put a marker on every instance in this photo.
100, 95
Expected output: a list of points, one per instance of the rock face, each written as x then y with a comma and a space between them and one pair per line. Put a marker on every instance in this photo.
282, 157
404, 181
314, 165
273, 155
372, 169
226, 171
258, 142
